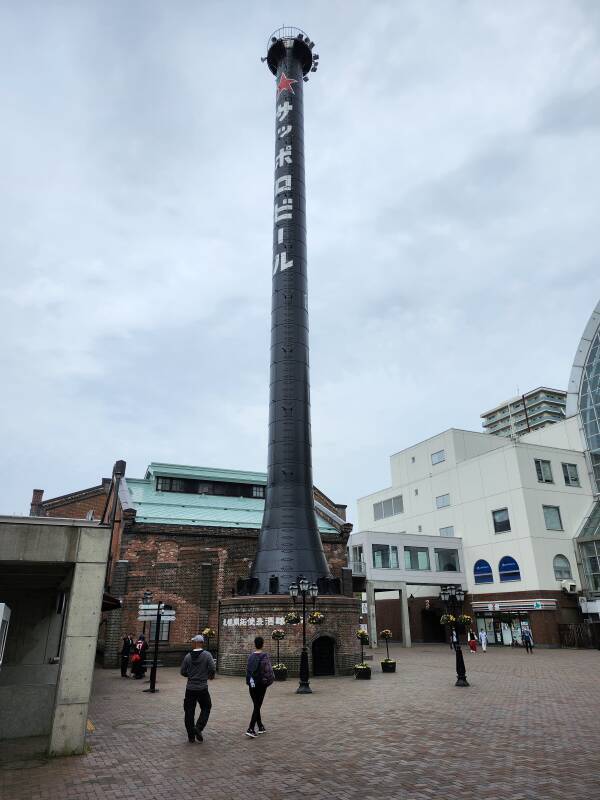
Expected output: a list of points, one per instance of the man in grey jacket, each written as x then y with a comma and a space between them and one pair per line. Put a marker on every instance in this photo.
199, 668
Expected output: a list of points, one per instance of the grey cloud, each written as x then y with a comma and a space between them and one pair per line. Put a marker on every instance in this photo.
571, 113
444, 230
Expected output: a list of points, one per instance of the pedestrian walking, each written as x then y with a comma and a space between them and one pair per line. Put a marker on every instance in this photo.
472, 642
128, 645
259, 676
483, 640
453, 639
138, 659
527, 640
199, 668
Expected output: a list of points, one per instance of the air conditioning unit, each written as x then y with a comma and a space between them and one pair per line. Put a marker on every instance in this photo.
568, 586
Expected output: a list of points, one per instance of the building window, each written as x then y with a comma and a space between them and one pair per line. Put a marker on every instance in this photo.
544, 471
482, 572
501, 520
446, 560
357, 552
388, 508
562, 568
172, 485
571, 475
385, 556
412, 459
163, 634
258, 491
416, 492
416, 558
509, 569
443, 501
552, 518
447, 531
591, 563
438, 457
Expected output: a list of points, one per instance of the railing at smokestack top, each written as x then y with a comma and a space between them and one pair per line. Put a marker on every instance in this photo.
286, 33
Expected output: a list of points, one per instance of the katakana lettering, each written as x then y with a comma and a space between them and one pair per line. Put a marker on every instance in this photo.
283, 184
283, 130
284, 156
283, 110
281, 263
284, 211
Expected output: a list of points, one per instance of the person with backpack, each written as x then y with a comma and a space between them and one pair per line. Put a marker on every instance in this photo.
138, 659
259, 676
199, 668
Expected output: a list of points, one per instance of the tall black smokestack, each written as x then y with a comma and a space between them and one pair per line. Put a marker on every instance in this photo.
290, 544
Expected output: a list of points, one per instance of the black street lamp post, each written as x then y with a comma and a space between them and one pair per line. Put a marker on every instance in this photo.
453, 598
305, 588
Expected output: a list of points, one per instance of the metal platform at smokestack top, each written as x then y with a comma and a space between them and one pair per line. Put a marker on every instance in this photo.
303, 49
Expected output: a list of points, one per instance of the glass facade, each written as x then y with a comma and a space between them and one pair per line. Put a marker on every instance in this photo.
416, 558
385, 556
446, 560
589, 404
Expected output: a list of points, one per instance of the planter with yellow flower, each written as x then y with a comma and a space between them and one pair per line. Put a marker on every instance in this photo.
279, 669
387, 664
362, 671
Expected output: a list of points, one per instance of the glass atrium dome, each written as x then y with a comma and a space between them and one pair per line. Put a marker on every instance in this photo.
584, 389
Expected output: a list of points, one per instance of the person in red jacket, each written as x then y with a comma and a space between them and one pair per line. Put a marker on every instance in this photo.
259, 676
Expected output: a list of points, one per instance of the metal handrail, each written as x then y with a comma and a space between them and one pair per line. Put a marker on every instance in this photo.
285, 33
358, 567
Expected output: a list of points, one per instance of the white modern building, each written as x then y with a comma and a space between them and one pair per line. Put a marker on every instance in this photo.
525, 504
515, 504
526, 412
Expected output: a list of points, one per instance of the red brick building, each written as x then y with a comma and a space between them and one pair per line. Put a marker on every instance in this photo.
186, 534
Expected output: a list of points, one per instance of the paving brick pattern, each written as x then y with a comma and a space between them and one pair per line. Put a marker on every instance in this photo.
527, 728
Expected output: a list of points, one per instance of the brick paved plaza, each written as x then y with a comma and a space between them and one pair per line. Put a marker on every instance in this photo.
527, 728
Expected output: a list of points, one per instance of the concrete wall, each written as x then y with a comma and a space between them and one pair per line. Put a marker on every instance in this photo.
27, 679
40, 557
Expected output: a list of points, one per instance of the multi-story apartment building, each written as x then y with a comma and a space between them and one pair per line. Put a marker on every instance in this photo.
527, 412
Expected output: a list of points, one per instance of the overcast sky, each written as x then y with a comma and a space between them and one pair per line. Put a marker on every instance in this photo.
453, 179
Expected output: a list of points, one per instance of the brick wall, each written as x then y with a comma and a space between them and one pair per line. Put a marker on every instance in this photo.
75, 506
191, 569
236, 643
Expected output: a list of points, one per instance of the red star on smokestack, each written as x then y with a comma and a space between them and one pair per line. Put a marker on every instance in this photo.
285, 84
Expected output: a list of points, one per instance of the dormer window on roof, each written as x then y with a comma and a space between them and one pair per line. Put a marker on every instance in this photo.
215, 488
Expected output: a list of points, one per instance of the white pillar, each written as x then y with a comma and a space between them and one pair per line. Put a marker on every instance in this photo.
371, 614
406, 640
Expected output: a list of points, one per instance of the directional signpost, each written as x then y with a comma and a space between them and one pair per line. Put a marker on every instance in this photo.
158, 613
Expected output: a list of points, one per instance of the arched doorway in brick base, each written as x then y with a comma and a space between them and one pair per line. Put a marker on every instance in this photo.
323, 655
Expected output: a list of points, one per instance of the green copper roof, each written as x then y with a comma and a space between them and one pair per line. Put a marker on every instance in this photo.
180, 508
205, 473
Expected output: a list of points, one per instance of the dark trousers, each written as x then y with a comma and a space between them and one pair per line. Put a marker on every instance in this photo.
202, 697
528, 646
124, 665
258, 695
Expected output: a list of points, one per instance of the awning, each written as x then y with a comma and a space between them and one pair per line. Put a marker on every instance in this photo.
110, 603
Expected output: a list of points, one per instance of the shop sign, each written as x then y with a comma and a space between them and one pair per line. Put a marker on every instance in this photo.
252, 622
